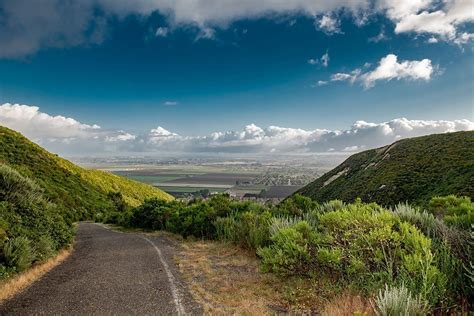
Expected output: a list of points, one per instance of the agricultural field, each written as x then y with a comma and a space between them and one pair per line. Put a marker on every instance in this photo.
266, 178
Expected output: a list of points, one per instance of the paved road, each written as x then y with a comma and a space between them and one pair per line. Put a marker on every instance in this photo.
109, 273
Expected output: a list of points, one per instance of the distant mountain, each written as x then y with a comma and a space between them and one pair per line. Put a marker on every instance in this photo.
64, 183
413, 169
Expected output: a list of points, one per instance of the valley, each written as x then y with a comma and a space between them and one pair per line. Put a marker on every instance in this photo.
265, 179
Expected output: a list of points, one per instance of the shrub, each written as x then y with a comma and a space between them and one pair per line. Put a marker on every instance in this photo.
30, 227
395, 301
450, 248
291, 250
44, 248
455, 211
18, 253
17, 189
361, 244
295, 205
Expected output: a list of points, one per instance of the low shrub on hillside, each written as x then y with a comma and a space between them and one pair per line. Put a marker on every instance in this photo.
394, 301
31, 229
362, 244
450, 248
455, 211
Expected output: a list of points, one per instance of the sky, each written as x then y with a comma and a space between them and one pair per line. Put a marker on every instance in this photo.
271, 76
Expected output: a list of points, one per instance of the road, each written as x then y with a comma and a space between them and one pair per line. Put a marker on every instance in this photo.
109, 273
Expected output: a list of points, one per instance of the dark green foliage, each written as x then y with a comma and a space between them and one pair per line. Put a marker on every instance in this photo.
411, 170
18, 253
31, 229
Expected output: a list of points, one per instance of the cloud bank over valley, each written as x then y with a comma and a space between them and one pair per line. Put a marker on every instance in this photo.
67, 135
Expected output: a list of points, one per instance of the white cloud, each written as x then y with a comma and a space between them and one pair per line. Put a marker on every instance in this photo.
33, 123
463, 38
350, 77
29, 26
322, 83
425, 16
329, 25
325, 59
171, 103
162, 31
388, 69
206, 33
379, 37
67, 135
121, 137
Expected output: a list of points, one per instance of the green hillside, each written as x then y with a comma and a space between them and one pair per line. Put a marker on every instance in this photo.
414, 170
75, 188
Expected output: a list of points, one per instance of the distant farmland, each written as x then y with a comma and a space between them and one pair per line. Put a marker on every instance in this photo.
229, 179
188, 180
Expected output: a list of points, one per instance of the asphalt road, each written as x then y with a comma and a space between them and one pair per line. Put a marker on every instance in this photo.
109, 273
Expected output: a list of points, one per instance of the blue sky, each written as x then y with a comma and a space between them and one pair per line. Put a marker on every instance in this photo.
222, 73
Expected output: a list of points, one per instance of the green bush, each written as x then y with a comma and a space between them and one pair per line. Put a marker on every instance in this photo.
295, 205
455, 211
31, 228
291, 250
398, 301
450, 248
18, 253
361, 244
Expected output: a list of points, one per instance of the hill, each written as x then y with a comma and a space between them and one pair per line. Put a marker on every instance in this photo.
413, 169
68, 185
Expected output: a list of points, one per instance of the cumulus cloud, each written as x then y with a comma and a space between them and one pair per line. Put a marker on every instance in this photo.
33, 123
389, 68
67, 135
62, 134
425, 16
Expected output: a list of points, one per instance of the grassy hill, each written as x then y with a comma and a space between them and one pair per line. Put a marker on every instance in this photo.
414, 170
66, 184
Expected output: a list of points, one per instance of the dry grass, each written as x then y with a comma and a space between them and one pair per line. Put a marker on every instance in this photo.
226, 279
19, 282
347, 305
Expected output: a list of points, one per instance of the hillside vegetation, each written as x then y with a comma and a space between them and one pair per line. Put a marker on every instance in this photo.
41, 195
414, 170
86, 192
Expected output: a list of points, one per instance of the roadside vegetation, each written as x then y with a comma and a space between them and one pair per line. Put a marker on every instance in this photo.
400, 258
31, 228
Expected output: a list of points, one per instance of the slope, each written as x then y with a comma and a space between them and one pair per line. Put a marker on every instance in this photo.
414, 170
